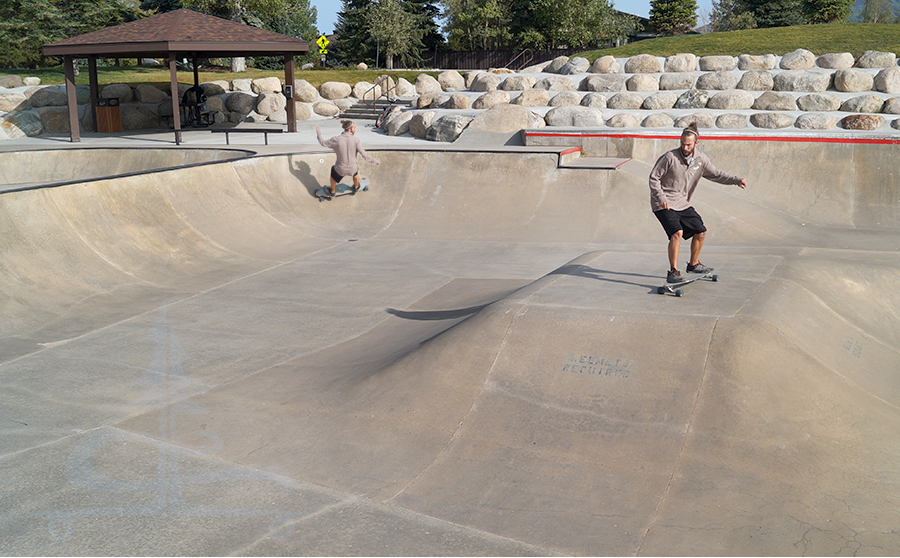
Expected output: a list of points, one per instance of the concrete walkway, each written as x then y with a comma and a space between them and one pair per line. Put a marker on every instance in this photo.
471, 358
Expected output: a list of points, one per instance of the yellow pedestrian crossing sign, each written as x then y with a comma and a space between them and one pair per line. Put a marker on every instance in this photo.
323, 42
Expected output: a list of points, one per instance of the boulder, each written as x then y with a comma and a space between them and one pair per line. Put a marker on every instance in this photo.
279, 116
269, 103
896, 124
210, 88
148, 94
642, 64
10, 82
517, 83
800, 59
447, 128
505, 119
19, 124
535, 69
585, 117
733, 99
556, 83
120, 91
362, 66
642, 82
682, 62
365, 89
701, 119
458, 101
625, 101
815, 121
876, 59
470, 77
658, 120
864, 103
265, 85
307, 66
486, 81
135, 117
731, 121
818, 102
565, 98
693, 99
663, 100
240, 102
242, 84
603, 83
605, 65
772, 100
862, 122
804, 81
48, 96
576, 65
556, 65
301, 111
756, 80
398, 123
491, 99
680, 80
31, 81
533, 98
451, 80
771, 120
888, 80
428, 100
747, 62
213, 104
331, 90
420, 122
593, 100
624, 120
326, 108
54, 120
405, 88
717, 80
13, 101
835, 61
305, 92
853, 81
344, 104
717, 63
891, 106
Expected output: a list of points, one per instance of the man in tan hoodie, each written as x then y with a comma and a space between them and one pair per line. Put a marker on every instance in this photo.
672, 183
345, 146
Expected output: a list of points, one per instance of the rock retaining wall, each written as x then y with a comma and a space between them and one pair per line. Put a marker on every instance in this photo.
799, 91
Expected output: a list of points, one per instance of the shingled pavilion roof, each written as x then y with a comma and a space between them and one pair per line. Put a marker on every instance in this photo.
180, 32
173, 35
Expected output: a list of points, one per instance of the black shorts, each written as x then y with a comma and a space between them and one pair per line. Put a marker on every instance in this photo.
336, 176
688, 221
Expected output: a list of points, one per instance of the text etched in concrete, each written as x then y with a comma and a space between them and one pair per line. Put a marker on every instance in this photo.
598, 366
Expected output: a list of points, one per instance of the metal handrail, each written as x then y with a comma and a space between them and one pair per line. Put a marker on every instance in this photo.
384, 92
516, 57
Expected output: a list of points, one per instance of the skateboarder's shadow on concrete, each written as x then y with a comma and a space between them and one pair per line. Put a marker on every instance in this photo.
300, 169
429, 315
578, 270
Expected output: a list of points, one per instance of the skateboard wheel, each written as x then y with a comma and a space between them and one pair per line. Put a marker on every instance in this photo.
679, 293
660, 290
714, 278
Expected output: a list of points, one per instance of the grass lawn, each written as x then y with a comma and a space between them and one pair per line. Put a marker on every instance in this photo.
135, 75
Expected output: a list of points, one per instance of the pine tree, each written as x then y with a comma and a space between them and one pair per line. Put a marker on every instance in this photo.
828, 11
354, 43
673, 17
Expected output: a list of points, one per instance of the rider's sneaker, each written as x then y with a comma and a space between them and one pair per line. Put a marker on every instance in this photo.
699, 268
674, 276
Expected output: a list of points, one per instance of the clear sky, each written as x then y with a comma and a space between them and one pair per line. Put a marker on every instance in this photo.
328, 10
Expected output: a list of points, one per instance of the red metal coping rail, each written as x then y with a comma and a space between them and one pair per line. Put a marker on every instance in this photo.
863, 140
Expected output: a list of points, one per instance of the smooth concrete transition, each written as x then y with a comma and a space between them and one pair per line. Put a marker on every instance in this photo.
471, 358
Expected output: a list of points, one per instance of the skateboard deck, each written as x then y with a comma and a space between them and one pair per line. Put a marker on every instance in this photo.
341, 189
674, 288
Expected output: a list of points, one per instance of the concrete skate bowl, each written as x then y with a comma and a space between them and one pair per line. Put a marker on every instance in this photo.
30, 168
470, 358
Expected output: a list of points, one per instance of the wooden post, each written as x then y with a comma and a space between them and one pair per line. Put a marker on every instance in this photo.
289, 80
71, 99
95, 88
176, 108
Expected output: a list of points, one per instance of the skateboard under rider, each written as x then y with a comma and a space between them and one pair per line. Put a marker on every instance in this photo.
674, 288
341, 189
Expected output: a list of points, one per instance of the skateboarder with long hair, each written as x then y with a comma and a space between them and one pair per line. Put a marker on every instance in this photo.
672, 183
345, 146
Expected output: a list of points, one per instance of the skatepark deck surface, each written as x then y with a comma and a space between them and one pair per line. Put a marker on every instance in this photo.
200, 358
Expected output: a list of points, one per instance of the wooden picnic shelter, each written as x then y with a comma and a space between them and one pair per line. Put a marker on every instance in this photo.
173, 36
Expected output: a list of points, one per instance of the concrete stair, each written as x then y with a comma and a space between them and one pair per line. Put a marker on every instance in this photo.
364, 110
